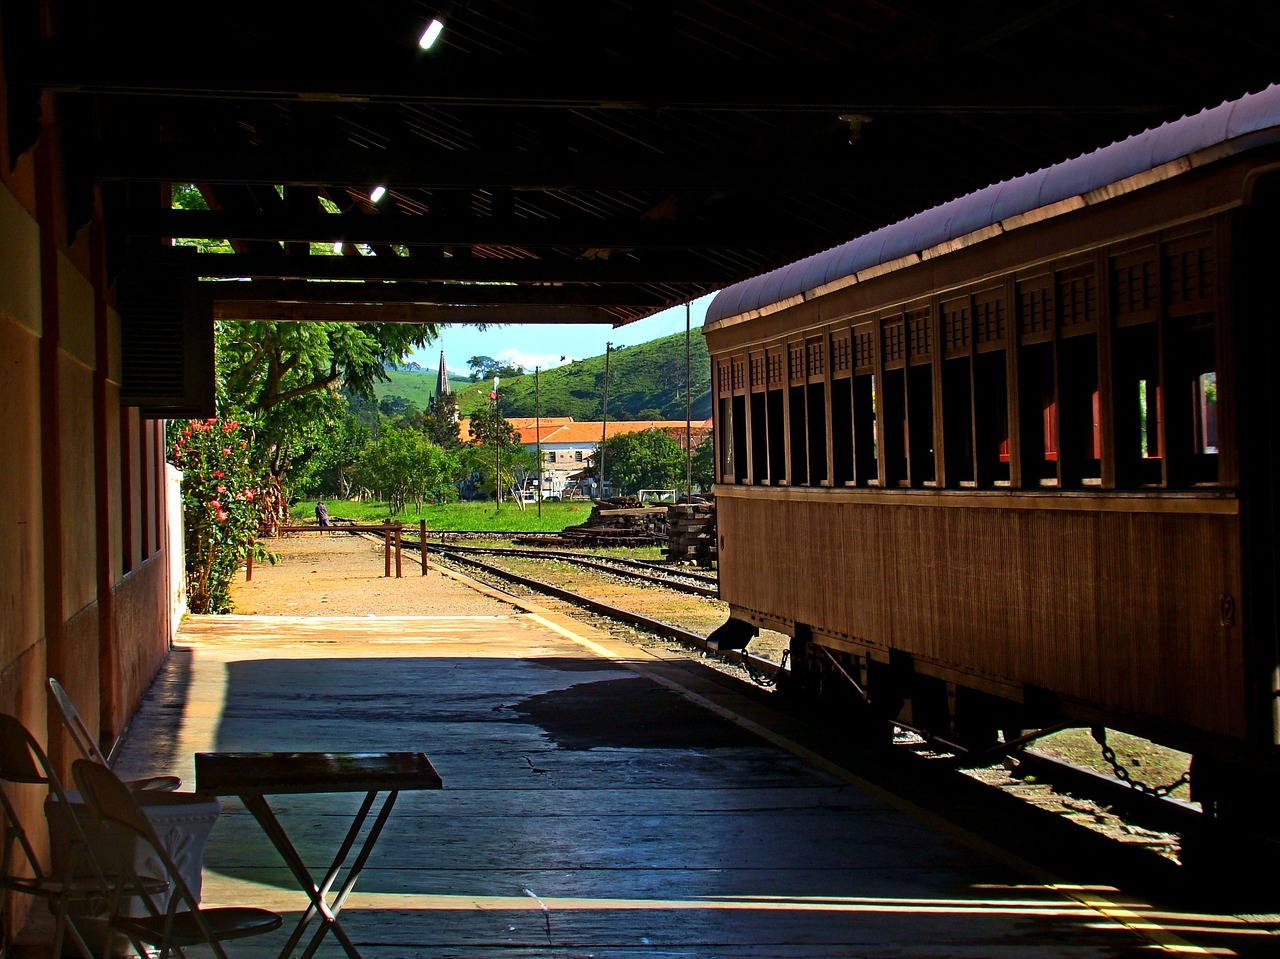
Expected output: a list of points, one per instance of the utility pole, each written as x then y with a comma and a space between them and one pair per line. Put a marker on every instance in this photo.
497, 452
688, 411
604, 418
537, 430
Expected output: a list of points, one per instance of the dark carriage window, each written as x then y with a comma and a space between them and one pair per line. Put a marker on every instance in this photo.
991, 418
923, 469
739, 439
1191, 401
1137, 401
865, 449
777, 436
893, 410
842, 431
816, 398
799, 438
759, 440
726, 439
1079, 425
1038, 415
957, 421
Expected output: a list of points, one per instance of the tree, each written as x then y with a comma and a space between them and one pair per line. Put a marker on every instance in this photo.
288, 376
402, 465
441, 424
489, 426
703, 463
649, 459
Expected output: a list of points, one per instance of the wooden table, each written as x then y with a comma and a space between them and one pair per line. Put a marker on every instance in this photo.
254, 776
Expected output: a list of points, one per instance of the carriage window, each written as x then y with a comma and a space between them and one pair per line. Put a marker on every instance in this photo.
957, 422
739, 421
842, 432
1038, 415
1191, 408
923, 470
866, 468
726, 440
893, 408
1079, 428
1206, 404
777, 437
799, 443
817, 414
991, 418
759, 441
1136, 360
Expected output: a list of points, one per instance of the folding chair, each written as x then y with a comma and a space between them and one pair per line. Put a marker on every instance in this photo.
183, 922
88, 746
23, 761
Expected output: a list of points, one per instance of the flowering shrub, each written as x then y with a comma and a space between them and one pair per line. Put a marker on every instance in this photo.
222, 497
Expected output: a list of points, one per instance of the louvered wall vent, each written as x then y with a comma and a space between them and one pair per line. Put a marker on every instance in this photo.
166, 336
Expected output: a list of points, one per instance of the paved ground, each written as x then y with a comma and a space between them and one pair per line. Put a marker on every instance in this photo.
598, 801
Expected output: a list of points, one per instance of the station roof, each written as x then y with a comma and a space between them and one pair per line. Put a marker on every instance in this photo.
583, 160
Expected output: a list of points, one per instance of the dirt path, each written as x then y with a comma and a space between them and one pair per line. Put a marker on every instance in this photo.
341, 574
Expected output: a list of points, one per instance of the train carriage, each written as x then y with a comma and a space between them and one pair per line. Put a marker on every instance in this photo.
1011, 462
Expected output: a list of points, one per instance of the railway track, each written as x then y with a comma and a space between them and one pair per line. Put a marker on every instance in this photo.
1099, 802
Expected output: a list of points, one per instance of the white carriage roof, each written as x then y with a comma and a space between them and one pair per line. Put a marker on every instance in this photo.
1171, 148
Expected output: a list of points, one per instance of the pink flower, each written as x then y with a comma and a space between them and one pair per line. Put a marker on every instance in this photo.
221, 488
226, 451
214, 504
222, 517
218, 474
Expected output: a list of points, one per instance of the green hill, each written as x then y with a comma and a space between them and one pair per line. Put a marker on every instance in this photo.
646, 382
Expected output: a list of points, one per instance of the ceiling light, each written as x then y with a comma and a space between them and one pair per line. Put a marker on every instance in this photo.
377, 193
337, 247
431, 34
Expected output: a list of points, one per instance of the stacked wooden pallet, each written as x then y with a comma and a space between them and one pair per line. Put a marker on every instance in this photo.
691, 531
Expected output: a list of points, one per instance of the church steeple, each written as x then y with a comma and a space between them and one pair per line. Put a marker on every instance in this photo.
442, 378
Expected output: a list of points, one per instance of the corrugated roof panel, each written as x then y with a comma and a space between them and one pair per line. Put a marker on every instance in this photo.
1145, 151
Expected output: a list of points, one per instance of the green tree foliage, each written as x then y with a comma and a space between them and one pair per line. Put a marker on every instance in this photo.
489, 428
290, 376
334, 453
224, 490
442, 421
403, 465
650, 459
702, 465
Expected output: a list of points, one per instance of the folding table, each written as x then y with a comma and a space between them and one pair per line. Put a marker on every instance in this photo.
254, 776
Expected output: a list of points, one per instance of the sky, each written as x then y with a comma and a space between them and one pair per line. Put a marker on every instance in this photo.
548, 345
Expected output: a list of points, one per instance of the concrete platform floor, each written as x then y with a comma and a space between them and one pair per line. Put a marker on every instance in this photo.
599, 801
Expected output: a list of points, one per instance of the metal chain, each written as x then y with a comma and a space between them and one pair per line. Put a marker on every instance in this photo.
1109, 754
758, 677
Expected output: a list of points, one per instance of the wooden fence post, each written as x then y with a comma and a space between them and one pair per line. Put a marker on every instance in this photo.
386, 548
398, 567
422, 544
248, 565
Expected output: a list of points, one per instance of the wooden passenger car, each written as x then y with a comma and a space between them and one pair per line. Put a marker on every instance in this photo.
1012, 461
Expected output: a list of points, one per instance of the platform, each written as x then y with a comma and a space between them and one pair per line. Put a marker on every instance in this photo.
599, 801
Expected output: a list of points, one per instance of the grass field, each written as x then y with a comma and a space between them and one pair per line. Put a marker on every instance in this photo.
451, 517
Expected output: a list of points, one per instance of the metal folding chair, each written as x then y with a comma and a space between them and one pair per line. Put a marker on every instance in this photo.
88, 746
180, 923
23, 761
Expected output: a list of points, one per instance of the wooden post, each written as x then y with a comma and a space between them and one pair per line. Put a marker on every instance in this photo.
248, 567
398, 561
386, 549
422, 544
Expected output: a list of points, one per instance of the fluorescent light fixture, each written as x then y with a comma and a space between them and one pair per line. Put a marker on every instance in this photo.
337, 247
377, 193
431, 34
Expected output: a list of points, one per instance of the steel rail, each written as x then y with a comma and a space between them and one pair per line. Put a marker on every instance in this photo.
741, 657
635, 569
